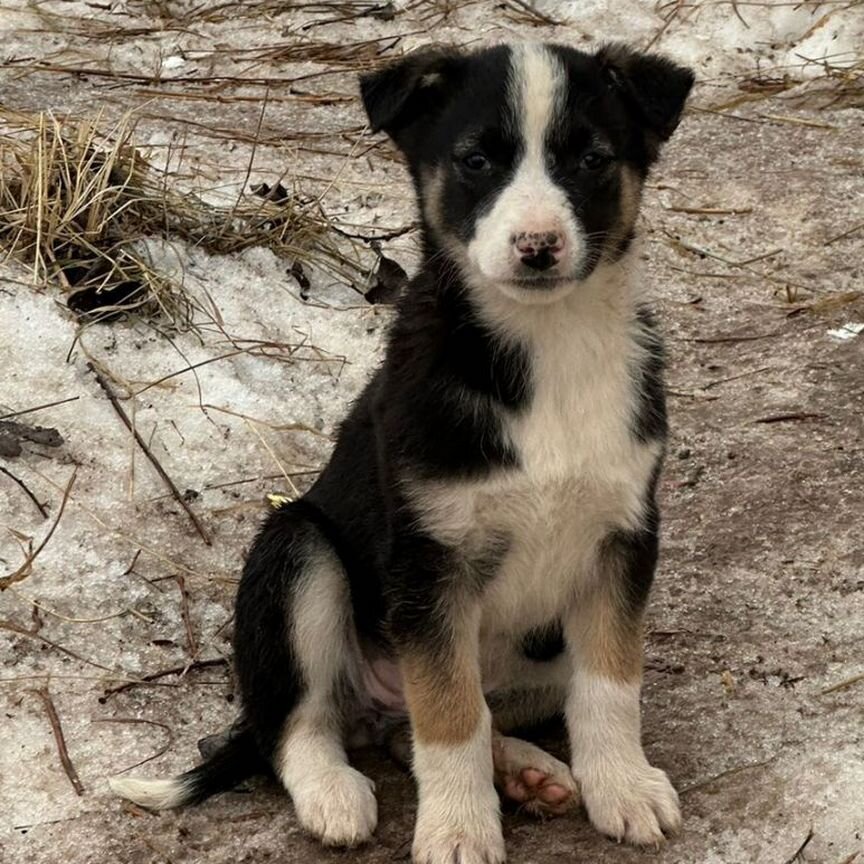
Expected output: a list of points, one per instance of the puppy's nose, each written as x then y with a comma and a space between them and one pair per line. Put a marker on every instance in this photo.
539, 250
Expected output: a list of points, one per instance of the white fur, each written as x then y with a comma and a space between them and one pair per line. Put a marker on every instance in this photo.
153, 794
332, 800
457, 816
531, 202
583, 474
322, 604
625, 796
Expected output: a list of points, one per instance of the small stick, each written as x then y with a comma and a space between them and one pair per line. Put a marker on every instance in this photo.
712, 211
51, 711
719, 381
32, 634
41, 407
791, 416
796, 121
24, 570
175, 492
843, 684
536, 13
191, 643
729, 772
131, 567
135, 720
39, 506
154, 676
718, 340
799, 854
828, 242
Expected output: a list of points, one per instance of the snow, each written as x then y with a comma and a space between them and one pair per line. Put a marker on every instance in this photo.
328, 347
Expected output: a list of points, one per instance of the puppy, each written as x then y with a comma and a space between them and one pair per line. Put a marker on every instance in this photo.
477, 554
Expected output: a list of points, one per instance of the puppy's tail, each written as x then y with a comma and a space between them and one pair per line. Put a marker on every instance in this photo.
236, 760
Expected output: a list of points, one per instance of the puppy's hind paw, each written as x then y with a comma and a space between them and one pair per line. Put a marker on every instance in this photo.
338, 806
534, 778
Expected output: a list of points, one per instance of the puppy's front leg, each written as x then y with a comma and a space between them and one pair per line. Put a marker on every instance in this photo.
625, 796
458, 816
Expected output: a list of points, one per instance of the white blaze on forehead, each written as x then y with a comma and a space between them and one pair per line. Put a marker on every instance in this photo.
536, 92
531, 201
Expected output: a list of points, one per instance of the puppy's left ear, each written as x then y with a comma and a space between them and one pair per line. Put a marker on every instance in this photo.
653, 88
399, 96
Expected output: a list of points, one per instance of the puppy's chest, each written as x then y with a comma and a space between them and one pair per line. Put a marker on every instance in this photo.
581, 474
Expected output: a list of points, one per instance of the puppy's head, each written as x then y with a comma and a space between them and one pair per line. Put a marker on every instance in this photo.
528, 159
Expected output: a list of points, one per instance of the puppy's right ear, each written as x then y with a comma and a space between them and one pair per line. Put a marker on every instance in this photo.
412, 89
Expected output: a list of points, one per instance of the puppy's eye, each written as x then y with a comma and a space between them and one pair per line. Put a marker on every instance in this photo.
476, 161
593, 160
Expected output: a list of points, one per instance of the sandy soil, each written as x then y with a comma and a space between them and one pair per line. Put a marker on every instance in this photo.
759, 606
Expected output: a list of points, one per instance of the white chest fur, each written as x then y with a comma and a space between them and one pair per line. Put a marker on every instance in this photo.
582, 472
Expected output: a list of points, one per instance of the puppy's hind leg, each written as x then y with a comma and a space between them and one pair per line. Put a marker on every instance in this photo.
296, 647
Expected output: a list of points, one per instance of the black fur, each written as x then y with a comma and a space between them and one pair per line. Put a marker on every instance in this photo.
233, 762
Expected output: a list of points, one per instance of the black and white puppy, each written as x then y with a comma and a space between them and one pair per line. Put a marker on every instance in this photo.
477, 554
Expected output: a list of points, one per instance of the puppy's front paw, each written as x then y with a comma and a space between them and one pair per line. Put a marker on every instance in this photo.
637, 804
472, 840
338, 806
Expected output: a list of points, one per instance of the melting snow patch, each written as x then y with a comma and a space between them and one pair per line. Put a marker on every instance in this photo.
848, 331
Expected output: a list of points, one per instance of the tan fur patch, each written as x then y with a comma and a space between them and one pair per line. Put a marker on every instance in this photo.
630, 199
444, 696
609, 639
432, 184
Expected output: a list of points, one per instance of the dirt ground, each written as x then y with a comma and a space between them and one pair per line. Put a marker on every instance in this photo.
753, 233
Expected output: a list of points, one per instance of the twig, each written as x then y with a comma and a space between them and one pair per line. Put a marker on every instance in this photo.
68, 767
681, 394
791, 416
535, 13
796, 121
31, 634
168, 745
729, 772
799, 854
192, 367
254, 427
665, 26
306, 473
155, 676
25, 569
175, 492
39, 506
739, 16
48, 405
377, 238
712, 211
131, 566
719, 381
37, 606
124, 535
843, 684
191, 643
828, 242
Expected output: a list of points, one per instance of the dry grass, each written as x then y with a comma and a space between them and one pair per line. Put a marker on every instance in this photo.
77, 200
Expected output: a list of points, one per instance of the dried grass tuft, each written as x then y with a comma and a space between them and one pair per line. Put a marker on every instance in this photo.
76, 202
